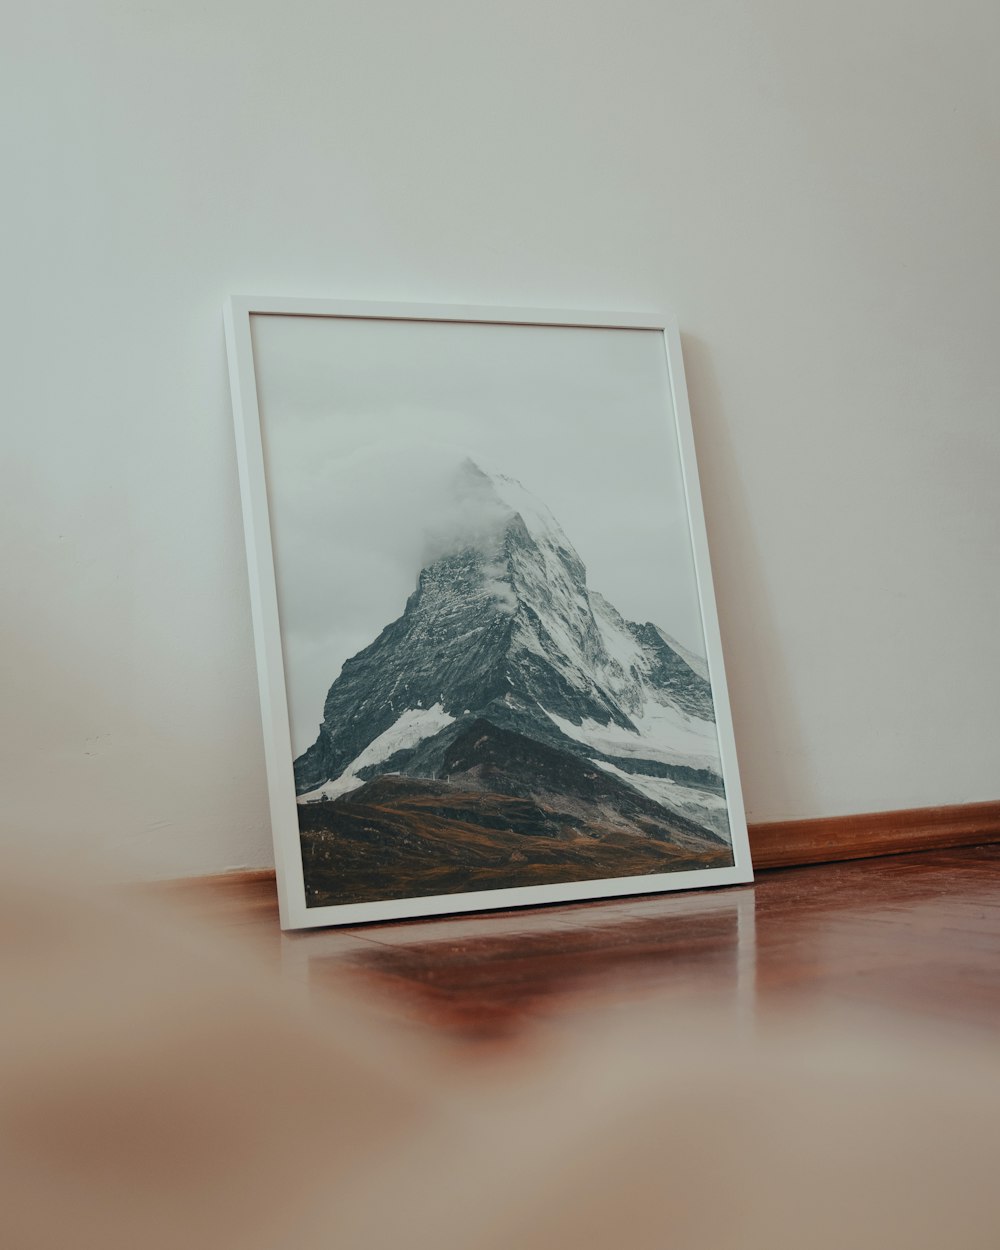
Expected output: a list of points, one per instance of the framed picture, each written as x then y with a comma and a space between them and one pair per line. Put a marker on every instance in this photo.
487, 644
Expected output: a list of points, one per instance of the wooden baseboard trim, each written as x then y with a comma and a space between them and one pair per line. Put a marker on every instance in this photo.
784, 843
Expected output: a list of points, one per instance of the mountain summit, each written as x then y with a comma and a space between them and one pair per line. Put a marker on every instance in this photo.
502, 638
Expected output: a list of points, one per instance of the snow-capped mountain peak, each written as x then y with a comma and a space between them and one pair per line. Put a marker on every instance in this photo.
487, 503
503, 625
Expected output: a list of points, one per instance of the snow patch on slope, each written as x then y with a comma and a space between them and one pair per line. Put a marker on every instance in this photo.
412, 727
665, 734
701, 806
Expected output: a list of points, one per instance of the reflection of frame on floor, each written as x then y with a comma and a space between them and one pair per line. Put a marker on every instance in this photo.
487, 642
491, 976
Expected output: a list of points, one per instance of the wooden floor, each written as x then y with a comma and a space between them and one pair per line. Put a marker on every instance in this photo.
918, 934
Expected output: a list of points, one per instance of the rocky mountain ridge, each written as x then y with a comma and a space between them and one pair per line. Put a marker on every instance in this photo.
502, 627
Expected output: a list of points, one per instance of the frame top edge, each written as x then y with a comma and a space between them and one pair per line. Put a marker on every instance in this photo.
288, 306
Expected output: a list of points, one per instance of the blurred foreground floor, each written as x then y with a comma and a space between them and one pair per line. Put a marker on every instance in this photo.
917, 933
810, 1061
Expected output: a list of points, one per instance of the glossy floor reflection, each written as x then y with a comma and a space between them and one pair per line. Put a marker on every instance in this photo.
918, 933
692, 1070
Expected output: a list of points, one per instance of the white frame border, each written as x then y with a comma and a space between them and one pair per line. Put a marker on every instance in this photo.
278, 753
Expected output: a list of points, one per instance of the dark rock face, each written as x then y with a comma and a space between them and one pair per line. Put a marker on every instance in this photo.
449, 646
673, 675
503, 762
504, 638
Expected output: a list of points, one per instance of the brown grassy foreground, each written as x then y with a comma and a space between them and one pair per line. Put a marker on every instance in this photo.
427, 838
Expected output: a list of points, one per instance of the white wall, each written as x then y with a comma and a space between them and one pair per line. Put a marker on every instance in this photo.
813, 188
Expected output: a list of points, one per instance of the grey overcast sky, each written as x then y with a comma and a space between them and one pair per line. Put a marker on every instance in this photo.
364, 421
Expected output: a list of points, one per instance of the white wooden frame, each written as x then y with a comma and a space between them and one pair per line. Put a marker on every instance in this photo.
264, 604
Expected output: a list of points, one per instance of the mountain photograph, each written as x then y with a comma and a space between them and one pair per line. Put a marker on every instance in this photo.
494, 614
510, 727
